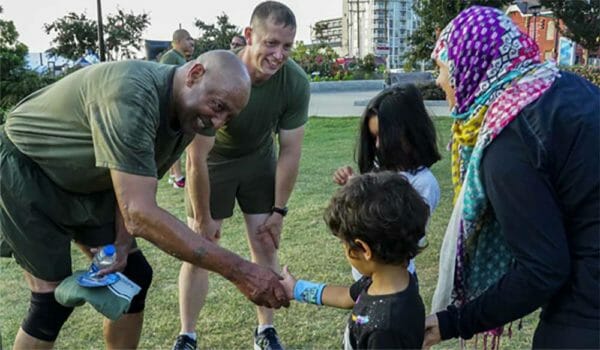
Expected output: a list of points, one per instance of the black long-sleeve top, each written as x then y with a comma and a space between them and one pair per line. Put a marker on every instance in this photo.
542, 177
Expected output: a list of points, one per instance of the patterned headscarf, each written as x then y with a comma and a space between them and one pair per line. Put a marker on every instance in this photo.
495, 71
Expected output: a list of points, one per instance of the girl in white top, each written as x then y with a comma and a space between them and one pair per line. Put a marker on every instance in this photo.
397, 134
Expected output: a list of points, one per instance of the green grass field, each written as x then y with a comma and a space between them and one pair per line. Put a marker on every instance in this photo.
228, 320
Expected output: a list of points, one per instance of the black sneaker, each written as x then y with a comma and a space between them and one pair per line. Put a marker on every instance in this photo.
183, 342
267, 340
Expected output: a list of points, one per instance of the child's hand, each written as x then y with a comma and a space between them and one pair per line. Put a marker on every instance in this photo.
289, 282
342, 175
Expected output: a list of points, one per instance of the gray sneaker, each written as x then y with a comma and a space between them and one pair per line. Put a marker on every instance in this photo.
267, 340
183, 342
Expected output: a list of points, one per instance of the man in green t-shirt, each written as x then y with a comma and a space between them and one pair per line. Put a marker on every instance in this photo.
244, 164
183, 48
79, 160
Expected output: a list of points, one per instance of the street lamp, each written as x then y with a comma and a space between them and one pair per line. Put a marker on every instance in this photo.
535, 11
101, 32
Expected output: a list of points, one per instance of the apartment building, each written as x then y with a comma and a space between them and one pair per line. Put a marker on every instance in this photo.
380, 27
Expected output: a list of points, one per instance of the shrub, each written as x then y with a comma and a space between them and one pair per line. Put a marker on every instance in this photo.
431, 91
590, 73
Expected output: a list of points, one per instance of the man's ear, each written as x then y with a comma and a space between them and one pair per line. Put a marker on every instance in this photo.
248, 35
196, 72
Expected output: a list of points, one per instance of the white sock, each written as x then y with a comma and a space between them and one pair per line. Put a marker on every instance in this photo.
179, 178
191, 335
263, 327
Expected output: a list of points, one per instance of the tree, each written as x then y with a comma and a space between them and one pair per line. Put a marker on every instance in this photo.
434, 16
16, 81
75, 33
213, 37
581, 19
320, 29
124, 33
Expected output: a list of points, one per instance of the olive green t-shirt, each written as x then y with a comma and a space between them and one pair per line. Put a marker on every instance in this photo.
279, 103
173, 57
106, 116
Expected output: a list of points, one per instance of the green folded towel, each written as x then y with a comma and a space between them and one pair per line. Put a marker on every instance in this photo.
112, 301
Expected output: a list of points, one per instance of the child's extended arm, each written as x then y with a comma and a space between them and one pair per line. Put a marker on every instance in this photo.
315, 293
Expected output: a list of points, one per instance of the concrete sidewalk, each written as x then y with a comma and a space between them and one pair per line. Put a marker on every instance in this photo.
353, 103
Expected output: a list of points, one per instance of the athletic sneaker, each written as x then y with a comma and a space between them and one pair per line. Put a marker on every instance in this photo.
179, 183
183, 342
267, 340
171, 180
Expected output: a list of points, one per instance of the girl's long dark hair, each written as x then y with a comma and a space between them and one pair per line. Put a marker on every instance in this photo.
407, 138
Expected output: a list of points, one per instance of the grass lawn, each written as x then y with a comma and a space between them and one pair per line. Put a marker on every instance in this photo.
228, 320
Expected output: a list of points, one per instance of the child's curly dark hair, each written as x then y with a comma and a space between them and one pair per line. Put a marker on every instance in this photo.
383, 210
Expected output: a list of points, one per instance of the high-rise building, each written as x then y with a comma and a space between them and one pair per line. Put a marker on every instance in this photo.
380, 27
328, 32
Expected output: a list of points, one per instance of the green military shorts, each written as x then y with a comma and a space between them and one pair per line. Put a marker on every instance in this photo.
249, 179
38, 219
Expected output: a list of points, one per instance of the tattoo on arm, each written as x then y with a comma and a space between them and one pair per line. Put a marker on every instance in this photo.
200, 253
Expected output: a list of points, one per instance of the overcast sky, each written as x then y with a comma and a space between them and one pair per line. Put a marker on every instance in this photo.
165, 15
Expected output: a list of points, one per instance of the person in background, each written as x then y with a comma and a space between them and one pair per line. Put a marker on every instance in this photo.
397, 134
237, 42
525, 169
181, 51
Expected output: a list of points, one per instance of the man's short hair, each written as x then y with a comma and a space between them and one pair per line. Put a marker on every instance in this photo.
180, 34
384, 211
279, 13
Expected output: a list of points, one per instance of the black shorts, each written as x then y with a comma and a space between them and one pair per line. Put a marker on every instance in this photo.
249, 179
38, 219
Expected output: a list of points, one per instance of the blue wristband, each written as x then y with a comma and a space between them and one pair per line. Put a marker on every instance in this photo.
309, 292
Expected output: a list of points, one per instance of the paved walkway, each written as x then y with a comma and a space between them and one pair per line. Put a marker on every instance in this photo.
352, 103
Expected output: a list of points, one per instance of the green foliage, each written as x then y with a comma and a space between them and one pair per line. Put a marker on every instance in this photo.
581, 18
430, 91
435, 15
318, 61
589, 72
16, 81
124, 34
367, 64
215, 36
75, 33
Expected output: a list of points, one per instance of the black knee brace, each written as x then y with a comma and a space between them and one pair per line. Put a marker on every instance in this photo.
139, 271
45, 317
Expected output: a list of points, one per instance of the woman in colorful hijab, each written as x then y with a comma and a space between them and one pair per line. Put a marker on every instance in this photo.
525, 169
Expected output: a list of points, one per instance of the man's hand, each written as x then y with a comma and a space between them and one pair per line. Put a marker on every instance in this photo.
432, 332
289, 282
208, 228
342, 175
122, 252
262, 286
272, 227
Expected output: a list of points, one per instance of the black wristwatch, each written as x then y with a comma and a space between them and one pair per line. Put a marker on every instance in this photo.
281, 211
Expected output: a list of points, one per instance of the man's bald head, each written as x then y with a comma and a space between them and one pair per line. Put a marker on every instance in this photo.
180, 34
225, 66
210, 90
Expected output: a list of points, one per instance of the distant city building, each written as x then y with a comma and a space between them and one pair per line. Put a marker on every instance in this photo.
379, 27
328, 32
